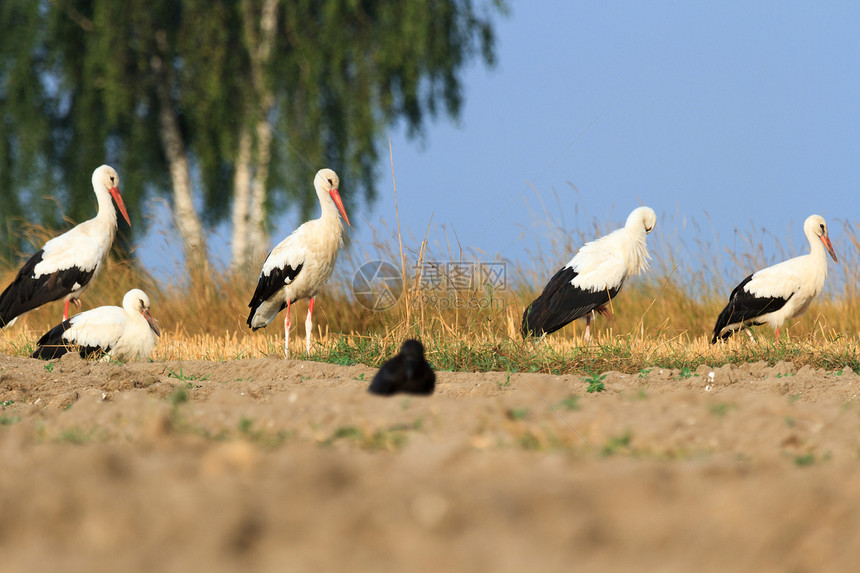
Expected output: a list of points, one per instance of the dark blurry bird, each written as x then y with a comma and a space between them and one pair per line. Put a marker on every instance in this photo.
407, 372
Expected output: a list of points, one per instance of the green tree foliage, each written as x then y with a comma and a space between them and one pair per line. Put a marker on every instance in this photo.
25, 117
352, 68
80, 81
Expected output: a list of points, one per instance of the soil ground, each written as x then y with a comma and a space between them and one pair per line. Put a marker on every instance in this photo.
272, 465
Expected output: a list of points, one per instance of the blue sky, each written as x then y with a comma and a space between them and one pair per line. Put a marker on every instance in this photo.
719, 115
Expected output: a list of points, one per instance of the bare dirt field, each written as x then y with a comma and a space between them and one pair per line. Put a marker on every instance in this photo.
271, 465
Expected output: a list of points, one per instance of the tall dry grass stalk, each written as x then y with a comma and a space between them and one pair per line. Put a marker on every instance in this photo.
668, 312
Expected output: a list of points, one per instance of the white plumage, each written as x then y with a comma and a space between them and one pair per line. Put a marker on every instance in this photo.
302, 263
785, 290
66, 266
592, 278
125, 333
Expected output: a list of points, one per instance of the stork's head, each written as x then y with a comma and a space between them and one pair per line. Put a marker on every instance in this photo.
641, 218
106, 177
134, 302
815, 226
327, 181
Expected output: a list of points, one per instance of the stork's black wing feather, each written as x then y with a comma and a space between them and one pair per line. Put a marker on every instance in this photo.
561, 303
53, 345
270, 284
744, 308
26, 293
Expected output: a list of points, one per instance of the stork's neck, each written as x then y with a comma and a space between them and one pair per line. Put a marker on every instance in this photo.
638, 253
329, 210
107, 211
817, 252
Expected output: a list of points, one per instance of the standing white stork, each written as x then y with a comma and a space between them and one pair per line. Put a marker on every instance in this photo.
783, 291
124, 333
302, 263
592, 278
67, 264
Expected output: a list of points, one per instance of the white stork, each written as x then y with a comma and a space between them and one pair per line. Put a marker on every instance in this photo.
124, 333
592, 278
302, 263
775, 294
67, 264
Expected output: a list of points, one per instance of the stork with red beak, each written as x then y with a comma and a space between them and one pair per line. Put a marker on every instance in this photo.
785, 290
66, 266
302, 263
126, 333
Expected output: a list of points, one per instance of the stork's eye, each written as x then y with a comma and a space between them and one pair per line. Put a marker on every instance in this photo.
330, 182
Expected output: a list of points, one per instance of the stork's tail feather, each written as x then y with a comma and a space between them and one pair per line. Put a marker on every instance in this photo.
262, 314
50, 351
52, 345
533, 323
524, 329
7, 314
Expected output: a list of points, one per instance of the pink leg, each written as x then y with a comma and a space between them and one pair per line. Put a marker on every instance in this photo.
287, 331
777, 334
66, 310
309, 326
588, 325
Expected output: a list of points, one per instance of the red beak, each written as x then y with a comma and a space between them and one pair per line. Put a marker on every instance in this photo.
826, 240
114, 192
153, 324
336, 198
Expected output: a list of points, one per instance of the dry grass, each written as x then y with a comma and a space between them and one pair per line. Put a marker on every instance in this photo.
663, 318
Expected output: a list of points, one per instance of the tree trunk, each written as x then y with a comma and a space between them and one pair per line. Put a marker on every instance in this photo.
186, 220
239, 249
251, 234
185, 215
259, 236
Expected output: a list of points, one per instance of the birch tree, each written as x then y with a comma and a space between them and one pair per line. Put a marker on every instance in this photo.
249, 187
228, 107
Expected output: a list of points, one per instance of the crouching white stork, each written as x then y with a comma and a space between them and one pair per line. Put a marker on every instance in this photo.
775, 294
302, 263
592, 278
124, 333
67, 264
